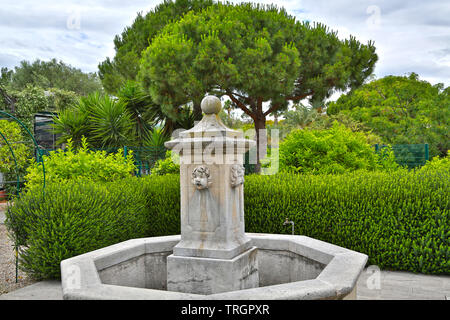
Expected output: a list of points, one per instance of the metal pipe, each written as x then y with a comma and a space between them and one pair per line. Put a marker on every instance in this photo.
286, 222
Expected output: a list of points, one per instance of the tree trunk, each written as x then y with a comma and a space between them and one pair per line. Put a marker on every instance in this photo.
261, 140
197, 110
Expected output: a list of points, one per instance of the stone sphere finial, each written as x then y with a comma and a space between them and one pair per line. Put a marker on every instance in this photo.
211, 104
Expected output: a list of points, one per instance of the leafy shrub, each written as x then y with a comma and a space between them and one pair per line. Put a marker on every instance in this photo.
82, 215
401, 110
335, 150
75, 217
82, 163
162, 195
386, 159
400, 219
437, 163
167, 165
13, 133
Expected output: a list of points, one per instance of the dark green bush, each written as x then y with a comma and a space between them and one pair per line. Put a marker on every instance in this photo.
400, 219
163, 204
75, 217
335, 150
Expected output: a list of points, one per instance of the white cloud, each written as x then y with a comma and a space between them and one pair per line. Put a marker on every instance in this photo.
80, 33
410, 36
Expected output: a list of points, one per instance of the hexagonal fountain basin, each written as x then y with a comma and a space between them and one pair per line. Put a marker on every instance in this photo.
290, 267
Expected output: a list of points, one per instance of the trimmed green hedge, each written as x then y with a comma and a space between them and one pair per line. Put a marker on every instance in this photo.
399, 219
75, 218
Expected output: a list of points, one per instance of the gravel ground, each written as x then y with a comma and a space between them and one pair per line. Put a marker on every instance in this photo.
7, 263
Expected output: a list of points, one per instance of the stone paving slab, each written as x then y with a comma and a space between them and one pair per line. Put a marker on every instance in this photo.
44, 290
393, 286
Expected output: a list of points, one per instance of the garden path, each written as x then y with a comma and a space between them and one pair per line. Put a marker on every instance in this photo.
7, 260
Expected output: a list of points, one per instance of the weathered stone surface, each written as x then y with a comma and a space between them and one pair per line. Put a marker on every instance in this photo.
284, 266
214, 254
211, 183
82, 276
208, 276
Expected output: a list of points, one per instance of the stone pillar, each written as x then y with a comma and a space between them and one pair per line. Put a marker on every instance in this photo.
214, 254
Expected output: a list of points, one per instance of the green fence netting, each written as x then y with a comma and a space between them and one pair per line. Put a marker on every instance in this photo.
409, 155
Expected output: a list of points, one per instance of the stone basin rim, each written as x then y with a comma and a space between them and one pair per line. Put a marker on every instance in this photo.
337, 279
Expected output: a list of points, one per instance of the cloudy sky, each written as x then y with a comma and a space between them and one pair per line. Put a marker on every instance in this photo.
410, 36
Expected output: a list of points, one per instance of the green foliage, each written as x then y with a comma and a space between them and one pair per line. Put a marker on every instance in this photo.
387, 160
167, 165
134, 39
82, 215
400, 219
156, 138
63, 165
43, 86
33, 99
253, 54
335, 150
401, 110
72, 124
203, 50
13, 133
141, 109
437, 163
75, 217
52, 74
162, 194
61, 99
27, 102
104, 121
13, 168
110, 123
300, 117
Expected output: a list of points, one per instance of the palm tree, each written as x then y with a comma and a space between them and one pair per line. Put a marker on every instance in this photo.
146, 114
301, 117
103, 120
140, 106
111, 123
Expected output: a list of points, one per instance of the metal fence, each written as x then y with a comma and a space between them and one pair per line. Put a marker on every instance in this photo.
409, 155
43, 130
144, 157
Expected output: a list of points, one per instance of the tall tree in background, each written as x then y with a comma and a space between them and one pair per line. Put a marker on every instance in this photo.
401, 110
43, 86
255, 55
7, 101
51, 74
134, 39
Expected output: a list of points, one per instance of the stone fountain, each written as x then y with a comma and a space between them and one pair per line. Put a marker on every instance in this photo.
213, 258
